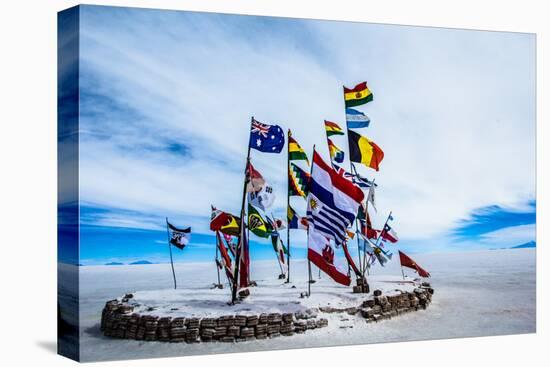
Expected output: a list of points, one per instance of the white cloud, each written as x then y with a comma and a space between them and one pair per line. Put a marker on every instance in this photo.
453, 111
510, 236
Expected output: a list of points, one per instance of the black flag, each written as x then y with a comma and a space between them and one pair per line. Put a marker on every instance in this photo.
179, 237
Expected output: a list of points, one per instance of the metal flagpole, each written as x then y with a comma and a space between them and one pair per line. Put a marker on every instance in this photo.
239, 244
170, 248
288, 208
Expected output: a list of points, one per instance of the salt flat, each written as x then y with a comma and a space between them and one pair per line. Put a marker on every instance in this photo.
476, 294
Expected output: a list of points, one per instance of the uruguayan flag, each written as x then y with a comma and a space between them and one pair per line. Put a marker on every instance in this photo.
356, 119
332, 201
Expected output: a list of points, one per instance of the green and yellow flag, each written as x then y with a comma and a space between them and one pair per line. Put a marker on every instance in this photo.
295, 151
257, 224
357, 96
332, 128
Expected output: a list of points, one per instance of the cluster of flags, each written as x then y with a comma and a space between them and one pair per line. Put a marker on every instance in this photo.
334, 199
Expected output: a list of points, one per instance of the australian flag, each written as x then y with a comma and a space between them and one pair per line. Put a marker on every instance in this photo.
266, 138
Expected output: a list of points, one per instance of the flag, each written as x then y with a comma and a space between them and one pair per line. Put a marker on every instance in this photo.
356, 119
382, 256
280, 250
229, 242
179, 237
278, 224
332, 128
295, 221
371, 197
321, 252
224, 222
342, 172
266, 138
257, 224
225, 259
262, 199
298, 181
332, 201
388, 233
362, 150
254, 179
410, 263
350, 261
295, 151
366, 225
361, 181
357, 96
336, 154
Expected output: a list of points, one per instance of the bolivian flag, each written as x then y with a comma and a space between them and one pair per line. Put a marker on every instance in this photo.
298, 181
295, 151
333, 129
358, 95
362, 150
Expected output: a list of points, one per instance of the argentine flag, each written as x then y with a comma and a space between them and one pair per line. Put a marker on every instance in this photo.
356, 119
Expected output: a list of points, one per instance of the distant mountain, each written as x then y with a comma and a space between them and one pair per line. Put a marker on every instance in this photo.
529, 244
141, 262
114, 263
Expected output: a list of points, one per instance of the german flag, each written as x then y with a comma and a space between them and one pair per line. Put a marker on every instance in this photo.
362, 150
332, 128
295, 151
358, 95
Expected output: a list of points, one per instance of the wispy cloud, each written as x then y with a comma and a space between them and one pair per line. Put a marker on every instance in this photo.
167, 99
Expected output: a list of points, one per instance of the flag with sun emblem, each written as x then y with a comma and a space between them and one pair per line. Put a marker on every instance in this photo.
333, 201
266, 138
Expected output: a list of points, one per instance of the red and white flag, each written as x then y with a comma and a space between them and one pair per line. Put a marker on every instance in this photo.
321, 252
389, 234
332, 205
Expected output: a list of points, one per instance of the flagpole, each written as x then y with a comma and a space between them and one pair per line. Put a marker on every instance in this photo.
217, 260
278, 239
309, 271
383, 229
308, 261
288, 207
170, 249
362, 265
402, 272
366, 215
239, 245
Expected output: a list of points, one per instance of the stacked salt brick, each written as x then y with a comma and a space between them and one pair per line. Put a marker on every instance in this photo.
118, 320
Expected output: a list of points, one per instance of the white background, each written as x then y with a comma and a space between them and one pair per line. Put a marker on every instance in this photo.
28, 184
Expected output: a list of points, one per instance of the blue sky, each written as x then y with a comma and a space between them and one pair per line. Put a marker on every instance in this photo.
166, 99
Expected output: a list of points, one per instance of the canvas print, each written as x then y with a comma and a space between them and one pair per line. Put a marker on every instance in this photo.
232, 183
